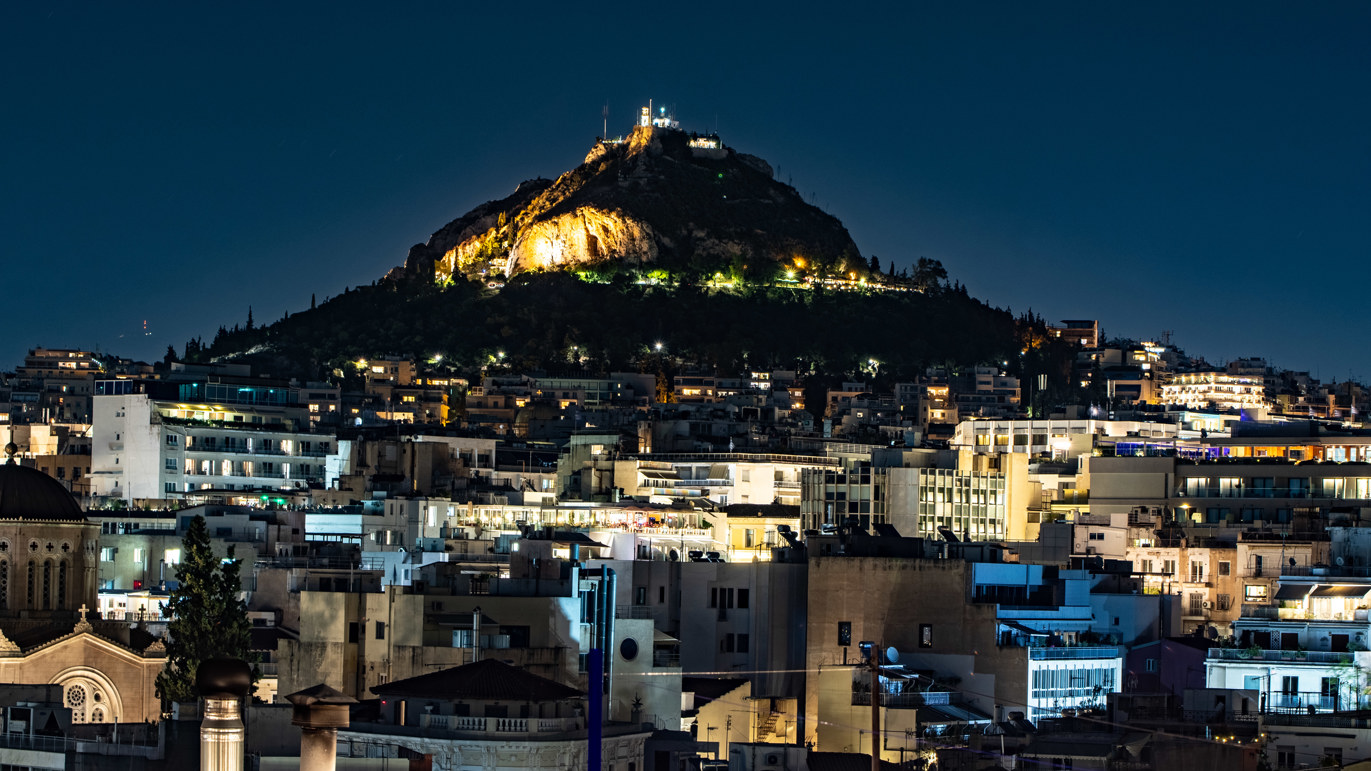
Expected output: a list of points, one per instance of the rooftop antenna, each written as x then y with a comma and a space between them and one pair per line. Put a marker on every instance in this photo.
604, 113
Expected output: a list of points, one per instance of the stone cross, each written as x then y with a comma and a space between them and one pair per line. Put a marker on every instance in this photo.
83, 625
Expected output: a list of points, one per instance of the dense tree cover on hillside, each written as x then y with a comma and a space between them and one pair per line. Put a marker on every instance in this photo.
557, 322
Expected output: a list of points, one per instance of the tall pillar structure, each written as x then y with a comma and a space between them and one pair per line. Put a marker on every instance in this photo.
223, 684
320, 711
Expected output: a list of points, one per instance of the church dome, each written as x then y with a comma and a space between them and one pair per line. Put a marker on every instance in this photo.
27, 493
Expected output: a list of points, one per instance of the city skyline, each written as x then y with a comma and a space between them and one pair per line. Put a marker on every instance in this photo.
1167, 168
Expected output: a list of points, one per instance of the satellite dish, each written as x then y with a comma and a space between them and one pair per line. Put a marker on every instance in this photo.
892, 656
673, 555
1338, 561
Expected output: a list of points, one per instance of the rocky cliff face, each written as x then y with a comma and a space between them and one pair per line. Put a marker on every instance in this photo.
651, 199
586, 234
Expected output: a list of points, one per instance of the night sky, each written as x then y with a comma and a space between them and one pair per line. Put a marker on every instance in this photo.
1203, 168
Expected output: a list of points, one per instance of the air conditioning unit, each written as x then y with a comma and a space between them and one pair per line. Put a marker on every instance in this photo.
1207, 605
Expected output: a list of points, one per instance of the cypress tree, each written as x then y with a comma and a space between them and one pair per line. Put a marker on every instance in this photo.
208, 618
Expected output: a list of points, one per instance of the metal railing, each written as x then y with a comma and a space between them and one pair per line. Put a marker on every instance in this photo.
1082, 652
633, 611
1311, 657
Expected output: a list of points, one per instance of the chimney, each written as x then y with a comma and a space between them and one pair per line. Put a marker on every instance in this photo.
320, 711
222, 683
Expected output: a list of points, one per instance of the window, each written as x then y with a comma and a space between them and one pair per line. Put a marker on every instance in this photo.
172, 556
170, 464
169, 487
726, 644
1169, 567
925, 635
742, 598
173, 440
139, 554
1254, 593
640, 595
1196, 572
1225, 568
661, 594
354, 631
844, 632
107, 553
749, 538
1196, 603
743, 643
1151, 665
380, 630
713, 597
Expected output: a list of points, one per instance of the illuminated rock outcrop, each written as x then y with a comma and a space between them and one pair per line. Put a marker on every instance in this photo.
584, 235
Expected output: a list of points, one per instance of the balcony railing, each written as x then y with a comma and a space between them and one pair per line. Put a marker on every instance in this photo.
1307, 702
633, 611
901, 700
1082, 652
500, 725
1310, 657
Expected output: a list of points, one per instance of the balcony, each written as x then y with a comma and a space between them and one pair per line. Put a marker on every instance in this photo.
1305, 657
1306, 702
1082, 652
897, 700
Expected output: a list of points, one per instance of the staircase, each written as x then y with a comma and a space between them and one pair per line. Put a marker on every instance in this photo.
768, 725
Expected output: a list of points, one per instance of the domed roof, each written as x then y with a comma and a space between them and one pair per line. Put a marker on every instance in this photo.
27, 493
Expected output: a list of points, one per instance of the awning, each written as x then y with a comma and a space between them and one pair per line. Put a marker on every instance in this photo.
661, 475
660, 636
1024, 629
951, 713
1294, 591
1343, 590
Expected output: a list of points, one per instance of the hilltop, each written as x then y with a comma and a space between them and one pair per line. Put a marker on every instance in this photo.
660, 197
661, 237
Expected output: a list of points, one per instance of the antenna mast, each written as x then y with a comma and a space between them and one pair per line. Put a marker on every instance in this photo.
605, 114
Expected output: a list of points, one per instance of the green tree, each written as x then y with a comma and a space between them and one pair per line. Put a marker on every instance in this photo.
208, 618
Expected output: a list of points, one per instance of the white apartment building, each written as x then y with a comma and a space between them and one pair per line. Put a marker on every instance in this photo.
148, 449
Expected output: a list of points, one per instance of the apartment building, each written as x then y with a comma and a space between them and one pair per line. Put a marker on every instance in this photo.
154, 441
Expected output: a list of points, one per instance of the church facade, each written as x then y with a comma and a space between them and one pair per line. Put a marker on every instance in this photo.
49, 580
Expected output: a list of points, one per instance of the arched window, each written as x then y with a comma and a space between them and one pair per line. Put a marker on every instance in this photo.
28, 586
62, 585
47, 584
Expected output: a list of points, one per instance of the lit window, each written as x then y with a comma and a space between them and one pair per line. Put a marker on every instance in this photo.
172, 557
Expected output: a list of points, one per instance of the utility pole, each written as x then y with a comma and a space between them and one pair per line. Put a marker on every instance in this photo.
873, 663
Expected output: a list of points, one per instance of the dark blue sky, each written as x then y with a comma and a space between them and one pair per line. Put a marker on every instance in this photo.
1197, 167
